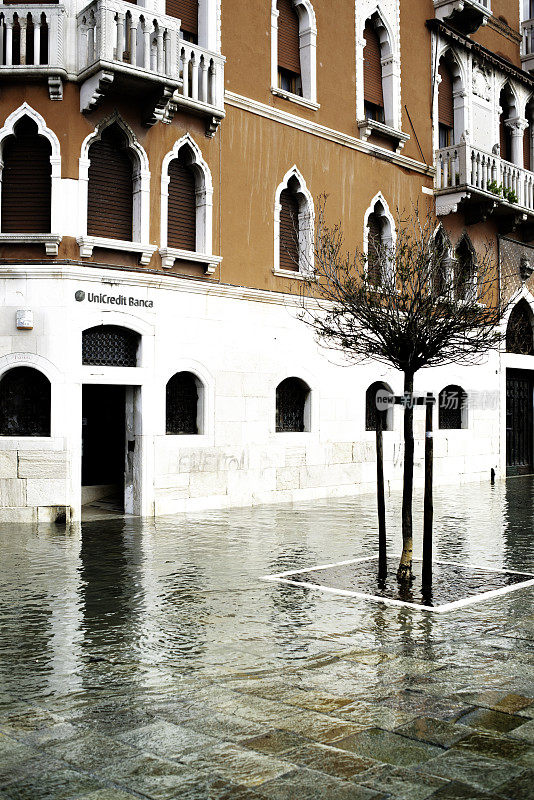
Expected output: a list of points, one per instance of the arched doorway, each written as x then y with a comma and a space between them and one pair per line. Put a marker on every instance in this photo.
520, 393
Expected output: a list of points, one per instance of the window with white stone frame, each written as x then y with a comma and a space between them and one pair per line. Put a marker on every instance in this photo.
140, 240
196, 198
376, 30
293, 51
30, 178
294, 219
378, 240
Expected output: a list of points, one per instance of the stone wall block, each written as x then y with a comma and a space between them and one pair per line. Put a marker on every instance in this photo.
8, 464
12, 493
43, 492
42, 464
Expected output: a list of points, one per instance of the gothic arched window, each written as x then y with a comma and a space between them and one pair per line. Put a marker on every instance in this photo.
519, 333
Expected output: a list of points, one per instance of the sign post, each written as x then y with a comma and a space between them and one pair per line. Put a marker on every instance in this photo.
428, 512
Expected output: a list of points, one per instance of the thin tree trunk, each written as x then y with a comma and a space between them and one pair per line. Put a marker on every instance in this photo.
404, 573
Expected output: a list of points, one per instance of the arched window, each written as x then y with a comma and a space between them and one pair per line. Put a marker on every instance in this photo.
289, 72
528, 161
182, 410
110, 346
376, 398
519, 333
378, 243
293, 49
445, 105
442, 264
24, 403
187, 12
181, 218
26, 181
452, 410
292, 406
465, 270
372, 74
293, 228
110, 190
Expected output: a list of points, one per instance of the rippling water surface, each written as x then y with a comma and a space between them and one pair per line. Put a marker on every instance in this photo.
139, 608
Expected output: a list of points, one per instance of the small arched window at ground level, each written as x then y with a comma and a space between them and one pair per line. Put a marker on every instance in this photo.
26, 181
292, 406
110, 346
519, 332
24, 403
452, 408
376, 402
183, 396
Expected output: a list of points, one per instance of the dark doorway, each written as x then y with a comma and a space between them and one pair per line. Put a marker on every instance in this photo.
104, 440
519, 418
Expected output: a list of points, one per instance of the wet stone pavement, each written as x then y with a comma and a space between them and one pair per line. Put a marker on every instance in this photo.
149, 659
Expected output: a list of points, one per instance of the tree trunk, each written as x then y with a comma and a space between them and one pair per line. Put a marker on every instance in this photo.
404, 573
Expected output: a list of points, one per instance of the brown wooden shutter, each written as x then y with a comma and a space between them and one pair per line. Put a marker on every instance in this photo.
181, 230
186, 11
288, 37
372, 68
445, 98
374, 241
289, 231
527, 137
26, 181
110, 195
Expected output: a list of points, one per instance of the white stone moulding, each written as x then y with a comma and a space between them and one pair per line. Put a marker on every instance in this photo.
369, 126
171, 254
50, 240
88, 243
295, 98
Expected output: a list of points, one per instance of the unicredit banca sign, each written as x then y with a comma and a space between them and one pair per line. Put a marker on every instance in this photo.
111, 300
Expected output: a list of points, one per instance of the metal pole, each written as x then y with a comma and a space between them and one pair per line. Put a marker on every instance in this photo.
428, 514
381, 503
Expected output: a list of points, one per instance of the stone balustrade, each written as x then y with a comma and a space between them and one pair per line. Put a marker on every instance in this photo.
31, 37
461, 168
527, 48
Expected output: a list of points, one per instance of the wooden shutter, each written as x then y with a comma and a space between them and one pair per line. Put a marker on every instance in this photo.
288, 37
372, 68
181, 230
445, 98
186, 11
527, 138
110, 195
374, 242
289, 231
26, 181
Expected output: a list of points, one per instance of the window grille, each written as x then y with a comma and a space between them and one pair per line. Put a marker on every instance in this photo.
291, 397
24, 403
519, 334
182, 404
110, 346
452, 400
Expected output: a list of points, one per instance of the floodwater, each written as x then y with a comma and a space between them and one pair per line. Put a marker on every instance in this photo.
159, 640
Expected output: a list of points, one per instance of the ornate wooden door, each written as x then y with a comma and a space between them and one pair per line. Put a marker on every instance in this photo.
519, 417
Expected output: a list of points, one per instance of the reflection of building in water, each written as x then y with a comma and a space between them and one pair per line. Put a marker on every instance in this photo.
519, 524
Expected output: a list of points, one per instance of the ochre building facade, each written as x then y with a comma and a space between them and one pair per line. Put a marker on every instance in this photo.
155, 157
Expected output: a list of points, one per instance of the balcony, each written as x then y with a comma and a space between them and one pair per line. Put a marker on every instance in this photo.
465, 15
122, 46
483, 184
527, 50
32, 44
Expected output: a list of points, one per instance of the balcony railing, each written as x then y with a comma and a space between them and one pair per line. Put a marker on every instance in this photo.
31, 37
462, 168
527, 52
116, 35
467, 15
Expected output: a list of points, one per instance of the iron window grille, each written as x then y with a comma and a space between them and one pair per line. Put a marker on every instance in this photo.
291, 397
182, 404
24, 403
110, 346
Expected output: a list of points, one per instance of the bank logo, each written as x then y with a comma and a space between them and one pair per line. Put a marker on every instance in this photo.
79, 296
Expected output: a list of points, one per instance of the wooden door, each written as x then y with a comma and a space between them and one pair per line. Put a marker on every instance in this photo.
519, 417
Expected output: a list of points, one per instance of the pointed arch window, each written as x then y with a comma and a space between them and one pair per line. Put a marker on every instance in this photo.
293, 51
441, 264
379, 236
445, 106
26, 180
508, 111
289, 72
519, 332
465, 270
25, 402
294, 227
181, 221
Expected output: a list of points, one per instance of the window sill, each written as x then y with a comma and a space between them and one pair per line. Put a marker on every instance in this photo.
87, 243
289, 273
171, 254
370, 126
50, 240
295, 98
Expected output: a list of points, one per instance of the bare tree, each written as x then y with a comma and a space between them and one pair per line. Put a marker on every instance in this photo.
415, 301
